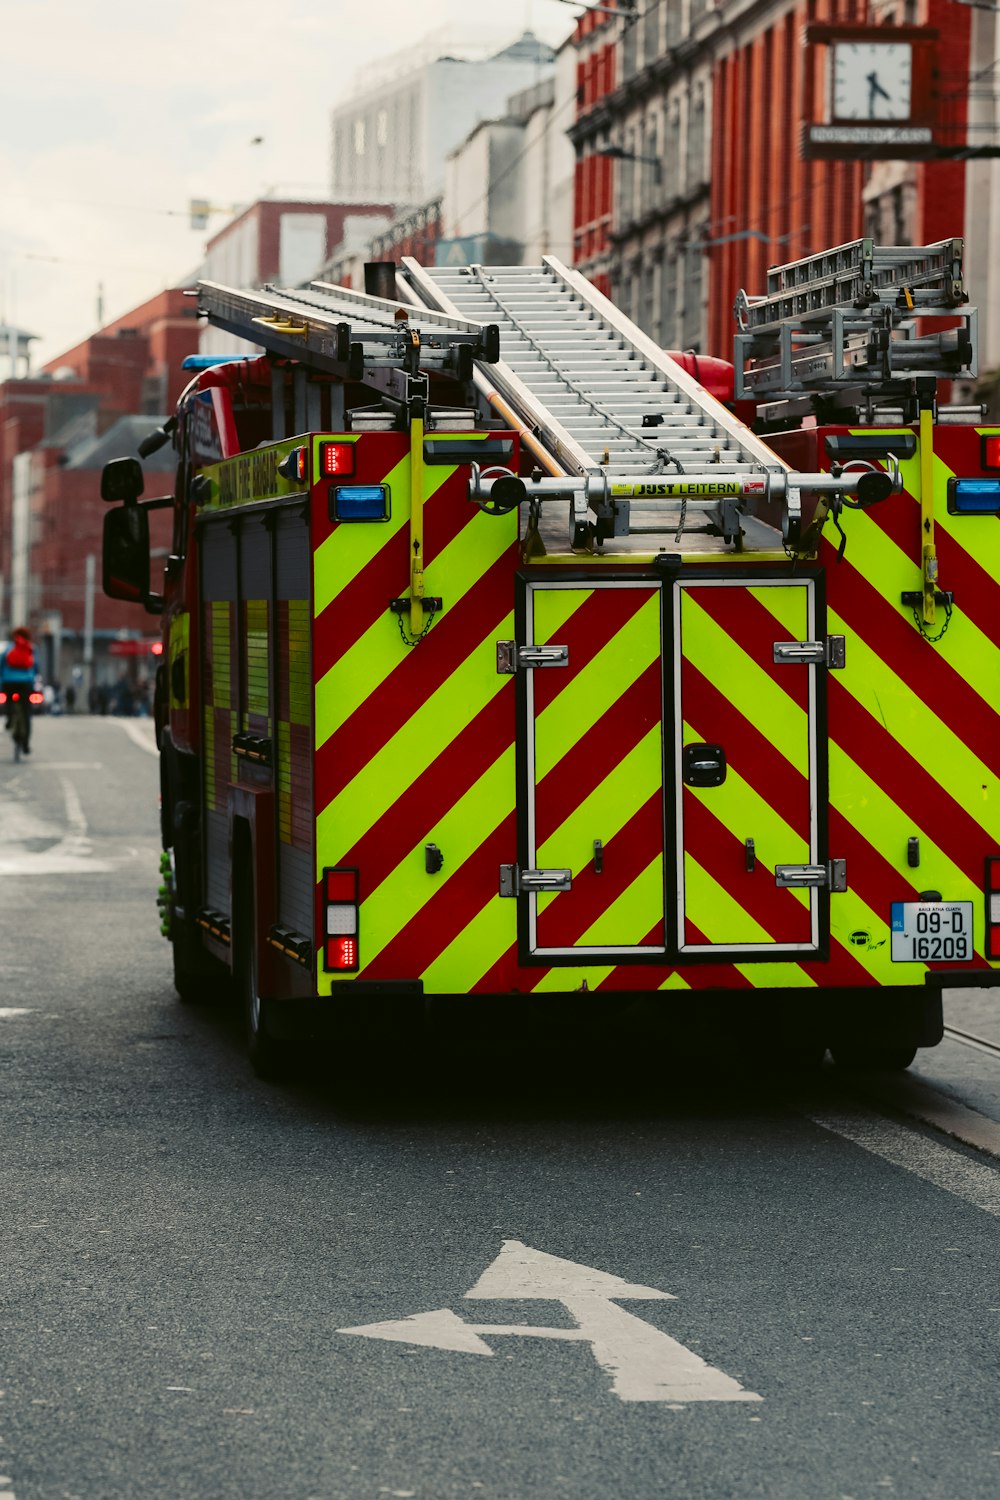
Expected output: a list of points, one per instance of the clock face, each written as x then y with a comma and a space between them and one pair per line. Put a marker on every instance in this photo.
872, 80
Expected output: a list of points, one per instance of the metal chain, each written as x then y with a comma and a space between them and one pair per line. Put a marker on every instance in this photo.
931, 639
413, 640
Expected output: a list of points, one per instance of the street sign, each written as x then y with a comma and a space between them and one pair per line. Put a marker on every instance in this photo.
644, 1364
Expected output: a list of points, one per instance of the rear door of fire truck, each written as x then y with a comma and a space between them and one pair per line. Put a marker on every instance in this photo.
673, 768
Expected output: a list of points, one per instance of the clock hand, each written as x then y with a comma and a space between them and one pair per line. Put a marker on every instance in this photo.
874, 87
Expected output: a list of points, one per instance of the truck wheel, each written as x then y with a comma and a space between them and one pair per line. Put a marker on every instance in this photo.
864, 1057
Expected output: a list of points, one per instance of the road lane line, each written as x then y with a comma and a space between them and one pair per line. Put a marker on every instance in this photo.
74, 809
69, 850
14, 1010
67, 765
904, 1147
911, 1095
144, 738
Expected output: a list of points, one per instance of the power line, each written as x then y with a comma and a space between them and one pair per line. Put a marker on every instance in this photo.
130, 208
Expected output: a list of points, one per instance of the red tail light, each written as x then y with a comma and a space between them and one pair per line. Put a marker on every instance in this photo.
3, 698
342, 953
36, 697
340, 920
336, 458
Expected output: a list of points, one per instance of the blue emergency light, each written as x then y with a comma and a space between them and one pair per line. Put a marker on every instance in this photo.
359, 502
973, 497
209, 361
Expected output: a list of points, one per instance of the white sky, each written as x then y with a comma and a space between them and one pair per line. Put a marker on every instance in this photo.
115, 113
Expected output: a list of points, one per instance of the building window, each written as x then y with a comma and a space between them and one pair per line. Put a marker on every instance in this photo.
382, 127
672, 151
635, 292
899, 234
651, 30
668, 297
654, 167
693, 276
630, 49
626, 166
647, 306
696, 137
646, 167
359, 137
675, 30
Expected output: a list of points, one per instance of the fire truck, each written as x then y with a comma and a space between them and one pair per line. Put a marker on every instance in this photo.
502, 659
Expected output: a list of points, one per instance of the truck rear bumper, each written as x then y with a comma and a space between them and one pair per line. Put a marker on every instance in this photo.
910, 1015
963, 979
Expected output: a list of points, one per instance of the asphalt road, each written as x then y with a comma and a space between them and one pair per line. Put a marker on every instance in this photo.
182, 1246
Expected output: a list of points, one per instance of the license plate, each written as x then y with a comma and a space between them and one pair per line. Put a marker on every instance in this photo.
931, 932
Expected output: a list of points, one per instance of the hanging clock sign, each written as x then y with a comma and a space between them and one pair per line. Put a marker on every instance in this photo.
872, 91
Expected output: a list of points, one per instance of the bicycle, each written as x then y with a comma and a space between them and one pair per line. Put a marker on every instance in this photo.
20, 729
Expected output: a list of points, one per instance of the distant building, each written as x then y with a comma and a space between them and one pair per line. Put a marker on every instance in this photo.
691, 178
596, 54
413, 233
390, 140
508, 189
135, 361
286, 243
57, 429
15, 351
508, 185
659, 129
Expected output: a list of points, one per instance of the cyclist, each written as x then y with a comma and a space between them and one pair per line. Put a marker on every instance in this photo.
17, 673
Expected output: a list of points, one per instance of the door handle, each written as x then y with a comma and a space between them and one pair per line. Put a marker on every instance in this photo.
703, 765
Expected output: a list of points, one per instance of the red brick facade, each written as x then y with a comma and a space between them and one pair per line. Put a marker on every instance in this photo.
593, 188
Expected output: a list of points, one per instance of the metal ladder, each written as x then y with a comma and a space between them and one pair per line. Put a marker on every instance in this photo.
352, 335
570, 359
602, 399
632, 451
842, 324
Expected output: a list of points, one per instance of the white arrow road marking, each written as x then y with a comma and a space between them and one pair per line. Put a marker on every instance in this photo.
644, 1364
522, 1273
70, 851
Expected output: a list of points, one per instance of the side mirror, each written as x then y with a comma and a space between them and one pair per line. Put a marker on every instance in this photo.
157, 438
121, 481
126, 552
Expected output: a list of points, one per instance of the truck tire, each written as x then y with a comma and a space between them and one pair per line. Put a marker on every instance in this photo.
871, 1057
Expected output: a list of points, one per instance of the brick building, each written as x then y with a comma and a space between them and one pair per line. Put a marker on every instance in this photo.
134, 363
286, 242
57, 429
691, 177
597, 63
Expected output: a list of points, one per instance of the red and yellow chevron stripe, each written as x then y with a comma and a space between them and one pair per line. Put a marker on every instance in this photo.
427, 743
